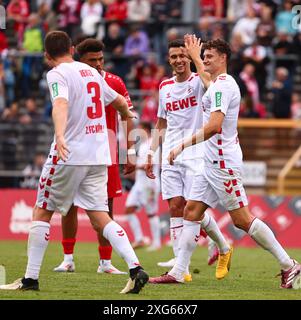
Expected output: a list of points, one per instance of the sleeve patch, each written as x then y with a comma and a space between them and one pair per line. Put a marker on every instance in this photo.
55, 91
218, 99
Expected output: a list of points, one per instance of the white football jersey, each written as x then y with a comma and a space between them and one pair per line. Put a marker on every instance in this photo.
180, 105
223, 149
87, 94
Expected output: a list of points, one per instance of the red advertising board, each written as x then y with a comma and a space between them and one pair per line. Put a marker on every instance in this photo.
282, 214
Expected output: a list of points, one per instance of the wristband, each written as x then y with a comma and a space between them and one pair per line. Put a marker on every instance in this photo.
150, 153
131, 152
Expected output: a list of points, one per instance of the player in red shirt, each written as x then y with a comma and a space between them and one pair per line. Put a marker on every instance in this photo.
90, 51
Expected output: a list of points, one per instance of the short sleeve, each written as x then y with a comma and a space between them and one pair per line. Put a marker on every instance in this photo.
123, 91
220, 96
161, 111
109, 94
57, 84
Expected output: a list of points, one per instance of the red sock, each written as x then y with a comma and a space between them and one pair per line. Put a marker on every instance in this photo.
68, 245
105, 252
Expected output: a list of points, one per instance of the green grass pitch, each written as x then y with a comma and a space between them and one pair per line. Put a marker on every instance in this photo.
252, 276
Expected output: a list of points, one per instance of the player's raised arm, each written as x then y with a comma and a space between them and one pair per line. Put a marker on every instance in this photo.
194, 48
157, 138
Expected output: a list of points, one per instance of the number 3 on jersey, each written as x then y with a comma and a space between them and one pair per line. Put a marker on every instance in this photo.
95, 111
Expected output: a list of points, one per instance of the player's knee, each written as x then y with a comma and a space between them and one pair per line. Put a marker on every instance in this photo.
189, 213
241, 224
96, 227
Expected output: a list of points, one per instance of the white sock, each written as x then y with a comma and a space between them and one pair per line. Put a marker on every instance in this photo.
210, 226
189, 238
135, 227
264, 237
120, 243
154, 222
68, 258
176, 227
37, 244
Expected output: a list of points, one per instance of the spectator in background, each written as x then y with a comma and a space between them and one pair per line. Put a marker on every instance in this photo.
139, 10
48, 17
248, 77
9, 77
117, 11
137, 43
30, 114
236, 9
283, 45
266, 30
281, 94
296, 106
91, 15
33, 171
257, 55
246, 26
114, 46
32, 66
69, 16
204, 28
18, 11
247, 109
11, 114
284, 19
212, 8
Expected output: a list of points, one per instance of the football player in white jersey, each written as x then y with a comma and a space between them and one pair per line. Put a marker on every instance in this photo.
221, 179
180, 115
144, 193
76, 169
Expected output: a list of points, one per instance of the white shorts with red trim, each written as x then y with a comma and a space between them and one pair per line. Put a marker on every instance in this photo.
176, 180
144, 195
214, 185
60, 186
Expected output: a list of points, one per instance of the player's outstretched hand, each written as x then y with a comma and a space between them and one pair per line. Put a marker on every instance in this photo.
129, 115
128, 168
173, 154
193, 46
62, 149
148, 167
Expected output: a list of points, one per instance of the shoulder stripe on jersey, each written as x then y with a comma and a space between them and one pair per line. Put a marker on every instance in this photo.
166, 82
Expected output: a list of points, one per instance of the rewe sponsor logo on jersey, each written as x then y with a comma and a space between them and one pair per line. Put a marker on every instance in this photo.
181, 104
55, 90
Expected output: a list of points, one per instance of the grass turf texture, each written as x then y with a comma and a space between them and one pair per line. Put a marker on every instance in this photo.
252, 276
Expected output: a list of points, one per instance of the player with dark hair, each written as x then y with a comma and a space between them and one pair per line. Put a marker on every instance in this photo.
221, 178
180, 115
76, 169
90, 51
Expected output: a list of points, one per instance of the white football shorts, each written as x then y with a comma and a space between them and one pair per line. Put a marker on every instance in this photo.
144, 195
176, 180
60, 186
213, 185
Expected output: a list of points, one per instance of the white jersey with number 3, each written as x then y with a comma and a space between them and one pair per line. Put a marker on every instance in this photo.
180, 105
87, 94
223, 149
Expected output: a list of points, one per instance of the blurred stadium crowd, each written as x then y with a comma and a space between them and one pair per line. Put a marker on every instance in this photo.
266, 46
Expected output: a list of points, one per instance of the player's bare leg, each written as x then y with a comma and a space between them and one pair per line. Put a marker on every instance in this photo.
264, 237
115, 234
105, 249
